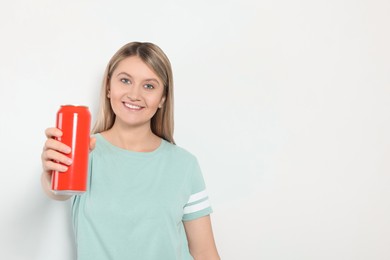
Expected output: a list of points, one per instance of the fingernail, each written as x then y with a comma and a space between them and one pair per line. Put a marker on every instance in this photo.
64, 168
67, 150
68, 161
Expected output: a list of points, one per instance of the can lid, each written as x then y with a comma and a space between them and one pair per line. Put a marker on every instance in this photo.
69, 105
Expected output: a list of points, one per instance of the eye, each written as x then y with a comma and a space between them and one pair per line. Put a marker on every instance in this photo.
125, 81
148, 86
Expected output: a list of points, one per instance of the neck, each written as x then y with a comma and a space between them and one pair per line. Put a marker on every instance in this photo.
138, 139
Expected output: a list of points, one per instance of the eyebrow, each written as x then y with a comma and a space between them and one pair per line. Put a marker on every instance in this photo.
128, 75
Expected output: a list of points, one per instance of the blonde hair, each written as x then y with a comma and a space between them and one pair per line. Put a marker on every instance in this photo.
155, 58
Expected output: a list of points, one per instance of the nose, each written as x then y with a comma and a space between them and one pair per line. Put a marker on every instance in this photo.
133, 93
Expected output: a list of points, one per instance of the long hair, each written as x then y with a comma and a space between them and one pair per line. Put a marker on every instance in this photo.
162, 122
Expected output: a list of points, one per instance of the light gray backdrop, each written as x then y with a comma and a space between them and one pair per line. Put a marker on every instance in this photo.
285, 103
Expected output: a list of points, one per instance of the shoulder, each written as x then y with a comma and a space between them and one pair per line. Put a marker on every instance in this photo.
179, 152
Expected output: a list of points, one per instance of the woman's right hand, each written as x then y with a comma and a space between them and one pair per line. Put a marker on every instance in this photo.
54, 155
54, 158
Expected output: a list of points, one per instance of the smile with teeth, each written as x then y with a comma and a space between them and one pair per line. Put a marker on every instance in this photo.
134, 107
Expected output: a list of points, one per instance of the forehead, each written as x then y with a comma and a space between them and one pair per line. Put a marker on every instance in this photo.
135, 67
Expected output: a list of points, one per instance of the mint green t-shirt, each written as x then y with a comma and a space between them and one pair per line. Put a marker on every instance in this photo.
136, 203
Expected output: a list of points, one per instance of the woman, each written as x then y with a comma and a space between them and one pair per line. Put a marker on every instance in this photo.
146, 197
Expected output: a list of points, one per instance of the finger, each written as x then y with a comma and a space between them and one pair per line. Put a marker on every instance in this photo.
52, 155
92, 143
52, 144
53, 166
52, 132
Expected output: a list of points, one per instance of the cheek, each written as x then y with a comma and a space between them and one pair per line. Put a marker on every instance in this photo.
159, 102
117, 93
113, 104
115, 99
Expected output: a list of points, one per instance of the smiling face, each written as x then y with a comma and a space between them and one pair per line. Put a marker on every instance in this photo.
135, 93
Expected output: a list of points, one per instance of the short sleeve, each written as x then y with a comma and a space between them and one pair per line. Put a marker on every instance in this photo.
198, 204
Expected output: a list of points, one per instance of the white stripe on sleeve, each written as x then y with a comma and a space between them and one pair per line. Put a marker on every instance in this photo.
197, 207
197, 196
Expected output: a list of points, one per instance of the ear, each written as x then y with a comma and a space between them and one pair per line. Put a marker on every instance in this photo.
162, 102
108, 92
108, 89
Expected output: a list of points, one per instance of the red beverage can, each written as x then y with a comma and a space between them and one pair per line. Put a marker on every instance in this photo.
74, 122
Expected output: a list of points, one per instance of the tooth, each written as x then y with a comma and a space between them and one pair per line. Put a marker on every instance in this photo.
132, 106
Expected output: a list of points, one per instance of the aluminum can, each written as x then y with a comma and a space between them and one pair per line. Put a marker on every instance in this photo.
74, 122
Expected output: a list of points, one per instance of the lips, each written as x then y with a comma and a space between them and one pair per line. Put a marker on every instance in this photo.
132, 106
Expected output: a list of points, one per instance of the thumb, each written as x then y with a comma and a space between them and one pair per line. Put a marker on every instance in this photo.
92, 143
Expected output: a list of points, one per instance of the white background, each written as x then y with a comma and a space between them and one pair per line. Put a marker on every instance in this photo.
285, 104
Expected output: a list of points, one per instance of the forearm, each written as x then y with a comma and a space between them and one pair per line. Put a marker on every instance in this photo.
211, 254
201, 239
46, 186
